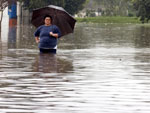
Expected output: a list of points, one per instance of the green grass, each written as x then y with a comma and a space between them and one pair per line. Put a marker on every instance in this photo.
106, 19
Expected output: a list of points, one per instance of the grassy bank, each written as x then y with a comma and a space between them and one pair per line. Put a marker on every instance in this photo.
114, 19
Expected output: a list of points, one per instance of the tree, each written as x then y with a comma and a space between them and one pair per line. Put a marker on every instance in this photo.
143, 9
3, 5
72, 6
115, 7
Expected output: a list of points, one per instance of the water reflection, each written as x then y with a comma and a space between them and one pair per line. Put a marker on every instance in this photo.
51, 63
101, 68
12, 37
142, 37
142, 62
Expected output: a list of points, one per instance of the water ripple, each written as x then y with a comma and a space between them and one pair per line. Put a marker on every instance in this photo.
106, 73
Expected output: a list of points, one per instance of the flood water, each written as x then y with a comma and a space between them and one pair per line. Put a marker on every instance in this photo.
100, 68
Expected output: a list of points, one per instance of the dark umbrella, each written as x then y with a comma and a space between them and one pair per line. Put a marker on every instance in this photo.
61, 18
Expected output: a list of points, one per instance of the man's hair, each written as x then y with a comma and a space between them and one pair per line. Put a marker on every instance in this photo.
49, 17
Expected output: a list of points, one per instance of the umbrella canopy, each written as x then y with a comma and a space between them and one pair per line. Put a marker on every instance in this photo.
61, 18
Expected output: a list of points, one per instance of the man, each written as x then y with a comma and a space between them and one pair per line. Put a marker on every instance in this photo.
47, 36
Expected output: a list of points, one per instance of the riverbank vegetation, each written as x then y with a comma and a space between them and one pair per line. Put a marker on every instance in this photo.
107, 19
129, 8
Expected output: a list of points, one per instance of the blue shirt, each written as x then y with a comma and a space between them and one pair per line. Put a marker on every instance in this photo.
47, 41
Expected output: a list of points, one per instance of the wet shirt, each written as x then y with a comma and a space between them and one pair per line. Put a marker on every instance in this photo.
47, 41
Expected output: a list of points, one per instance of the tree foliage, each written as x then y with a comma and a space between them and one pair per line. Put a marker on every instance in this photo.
72, 6
116, 7
143, 9
3, 4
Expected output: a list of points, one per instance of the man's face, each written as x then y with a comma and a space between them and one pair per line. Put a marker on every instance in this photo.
47, 20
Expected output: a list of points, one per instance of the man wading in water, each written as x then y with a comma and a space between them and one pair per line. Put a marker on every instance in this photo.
47, 36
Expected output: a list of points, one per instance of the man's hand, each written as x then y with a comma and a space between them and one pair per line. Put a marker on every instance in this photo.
37, 39
53, 34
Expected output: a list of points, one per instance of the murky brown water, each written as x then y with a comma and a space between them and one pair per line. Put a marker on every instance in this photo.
101, 68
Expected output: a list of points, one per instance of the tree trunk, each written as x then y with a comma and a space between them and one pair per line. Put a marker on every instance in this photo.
1, 15
0, 30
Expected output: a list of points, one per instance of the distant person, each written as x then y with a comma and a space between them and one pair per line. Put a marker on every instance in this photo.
47, 36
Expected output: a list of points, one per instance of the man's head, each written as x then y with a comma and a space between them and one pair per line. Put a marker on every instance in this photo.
48, 19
